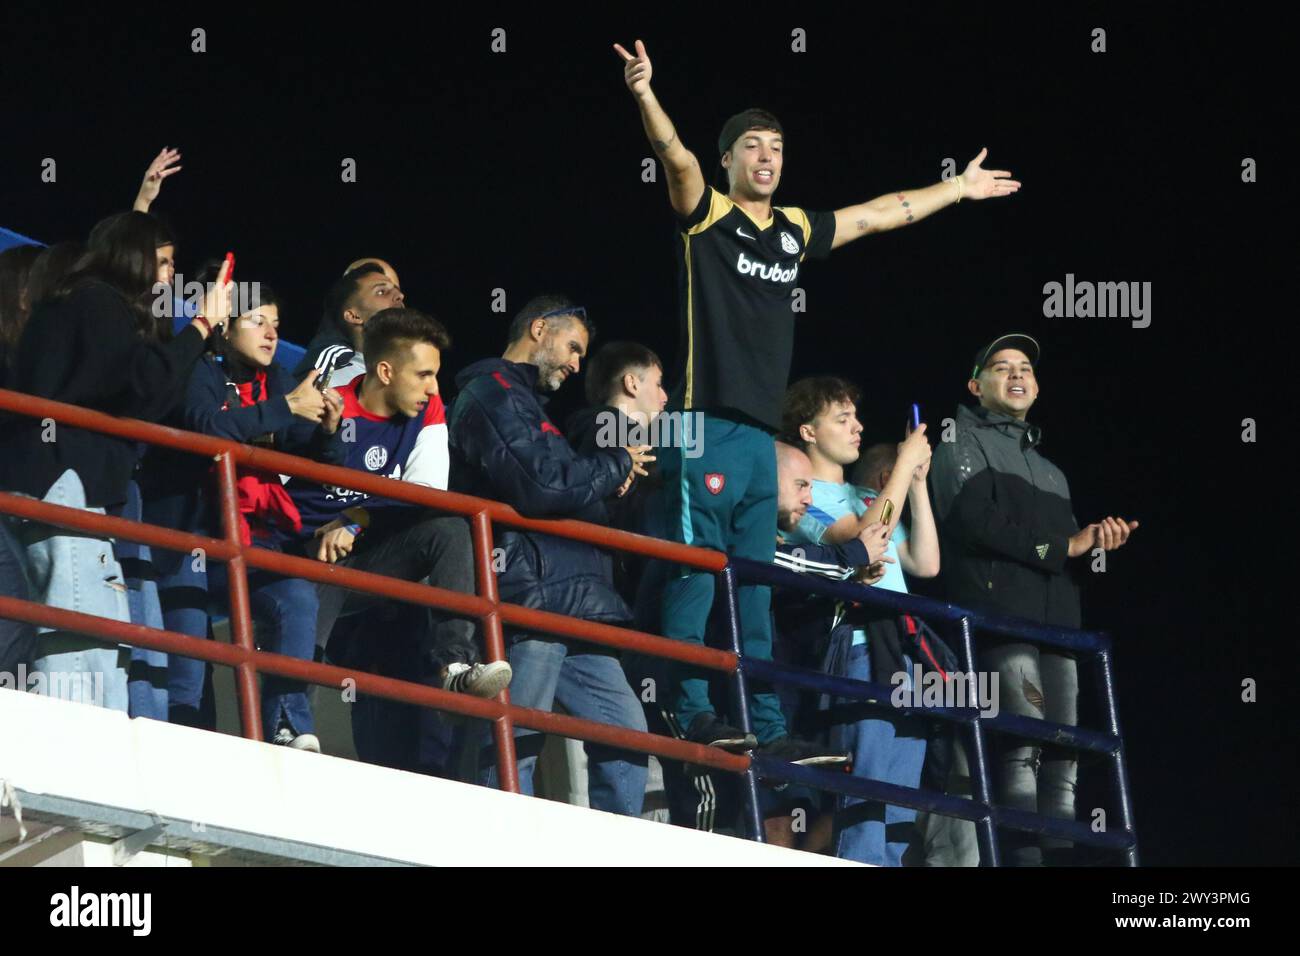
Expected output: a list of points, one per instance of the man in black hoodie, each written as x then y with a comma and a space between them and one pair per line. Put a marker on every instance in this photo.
369, 286
1007, 533
504, 446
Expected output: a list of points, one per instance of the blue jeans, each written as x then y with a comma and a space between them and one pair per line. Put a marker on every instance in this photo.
888, 749
17, 640
183, 592
285, 611
590, 685
76, 572
147, 678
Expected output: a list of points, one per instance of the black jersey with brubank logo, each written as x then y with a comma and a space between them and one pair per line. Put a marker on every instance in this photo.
736, 279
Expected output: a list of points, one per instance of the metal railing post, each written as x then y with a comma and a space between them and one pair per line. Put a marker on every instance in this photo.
740, 698
241, 619
503, 728
979, 764
1118, 766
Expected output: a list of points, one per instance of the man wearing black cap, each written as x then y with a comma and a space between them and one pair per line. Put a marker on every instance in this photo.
1007, 533
739, 259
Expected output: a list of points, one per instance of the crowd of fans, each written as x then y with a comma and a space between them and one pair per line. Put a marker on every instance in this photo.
986, 514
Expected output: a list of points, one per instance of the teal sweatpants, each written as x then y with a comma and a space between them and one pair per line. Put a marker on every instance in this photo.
725, 499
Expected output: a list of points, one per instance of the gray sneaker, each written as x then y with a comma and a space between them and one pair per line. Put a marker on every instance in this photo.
284, 737
478, 680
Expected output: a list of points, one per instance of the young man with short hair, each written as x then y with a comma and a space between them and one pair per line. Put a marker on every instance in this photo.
625, 395
369, 287
739, 258
820, 417
394, 425
1008, 534
504, 446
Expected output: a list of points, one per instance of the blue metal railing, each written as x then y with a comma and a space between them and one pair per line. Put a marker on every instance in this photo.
979, 809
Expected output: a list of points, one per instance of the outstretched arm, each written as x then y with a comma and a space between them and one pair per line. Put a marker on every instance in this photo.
900, 209
685, 181
161, 167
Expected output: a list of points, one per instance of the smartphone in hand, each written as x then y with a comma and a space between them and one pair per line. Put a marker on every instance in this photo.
916, 416
323, 380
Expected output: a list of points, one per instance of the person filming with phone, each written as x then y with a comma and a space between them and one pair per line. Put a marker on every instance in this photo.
239, 392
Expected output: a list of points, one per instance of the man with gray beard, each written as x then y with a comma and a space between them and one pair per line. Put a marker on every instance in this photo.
504, 446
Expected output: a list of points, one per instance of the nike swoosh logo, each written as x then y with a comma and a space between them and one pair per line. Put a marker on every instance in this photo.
740, 232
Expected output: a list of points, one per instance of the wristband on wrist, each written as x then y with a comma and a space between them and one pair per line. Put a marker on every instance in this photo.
354, 529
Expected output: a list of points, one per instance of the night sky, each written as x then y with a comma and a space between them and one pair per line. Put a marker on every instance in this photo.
522, 171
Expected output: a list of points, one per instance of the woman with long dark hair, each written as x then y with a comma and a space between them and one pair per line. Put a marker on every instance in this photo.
96, 343
15, 301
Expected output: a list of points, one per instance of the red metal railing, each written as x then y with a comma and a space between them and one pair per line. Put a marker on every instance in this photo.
485, 606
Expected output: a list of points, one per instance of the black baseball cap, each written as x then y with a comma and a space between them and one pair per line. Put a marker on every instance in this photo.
743, 122
1016, 340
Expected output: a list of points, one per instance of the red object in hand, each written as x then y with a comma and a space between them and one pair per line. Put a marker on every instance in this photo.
230, 267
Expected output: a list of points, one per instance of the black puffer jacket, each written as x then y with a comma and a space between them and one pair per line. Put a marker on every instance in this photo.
1005, 521
503, 446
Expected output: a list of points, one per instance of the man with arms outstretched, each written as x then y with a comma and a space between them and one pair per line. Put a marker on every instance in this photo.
739, 259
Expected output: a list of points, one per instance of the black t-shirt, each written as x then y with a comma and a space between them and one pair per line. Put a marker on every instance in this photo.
736, 280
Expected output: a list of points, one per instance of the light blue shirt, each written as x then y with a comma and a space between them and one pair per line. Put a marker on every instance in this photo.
832, 501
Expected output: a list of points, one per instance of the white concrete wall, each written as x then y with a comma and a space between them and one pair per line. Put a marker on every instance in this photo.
85, 753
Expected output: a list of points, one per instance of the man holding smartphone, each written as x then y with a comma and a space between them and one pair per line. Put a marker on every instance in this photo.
1008, 536
739, 259
820, 418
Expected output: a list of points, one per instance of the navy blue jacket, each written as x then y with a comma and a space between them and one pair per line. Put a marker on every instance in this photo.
176, 485
503, 446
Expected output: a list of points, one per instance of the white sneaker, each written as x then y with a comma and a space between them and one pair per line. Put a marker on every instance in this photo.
480, 680
285, 737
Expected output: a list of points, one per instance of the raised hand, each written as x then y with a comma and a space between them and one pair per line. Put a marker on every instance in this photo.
923, 469
161, 167
914, 450
215, 307
636, 69
978, 183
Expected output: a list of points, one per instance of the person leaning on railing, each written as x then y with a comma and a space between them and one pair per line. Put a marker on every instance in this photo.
241, 393
96, 344
397, 429
504, 446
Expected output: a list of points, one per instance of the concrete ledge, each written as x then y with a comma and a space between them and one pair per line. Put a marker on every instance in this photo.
222, 785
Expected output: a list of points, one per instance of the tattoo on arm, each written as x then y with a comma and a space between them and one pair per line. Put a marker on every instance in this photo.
662, 144
907, 206
862, 225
